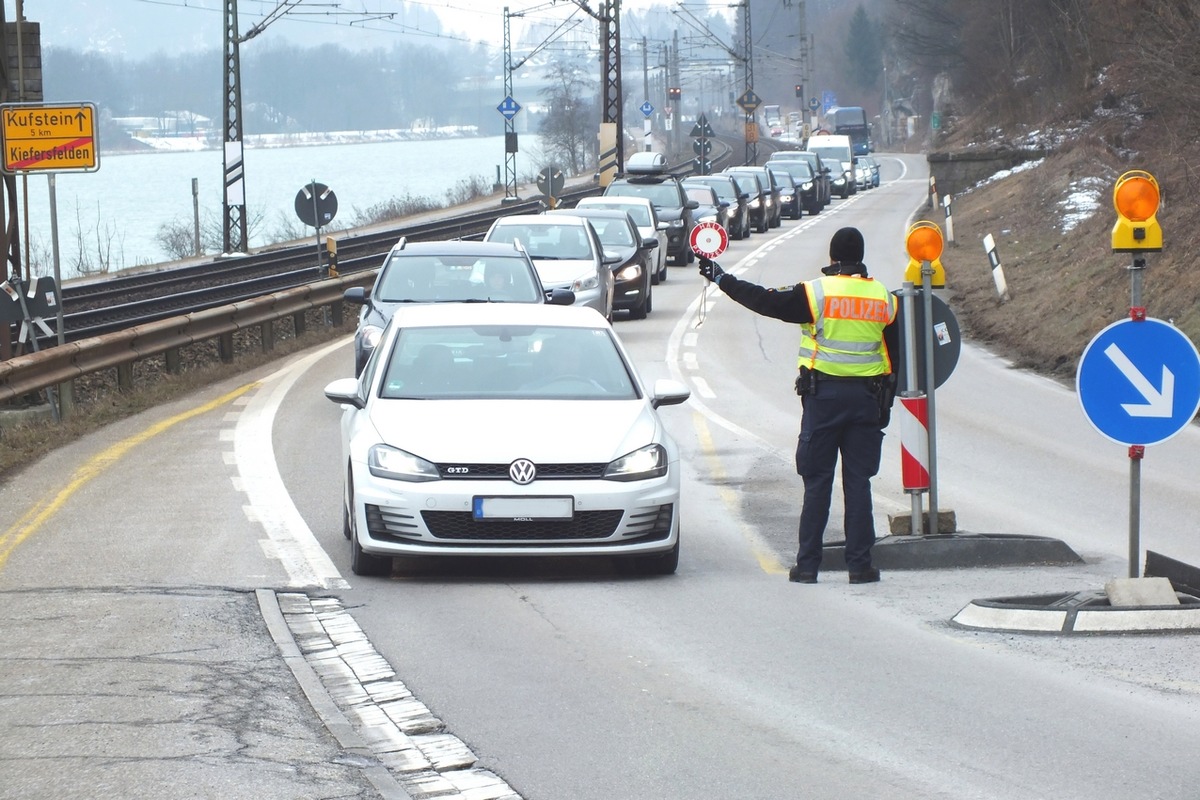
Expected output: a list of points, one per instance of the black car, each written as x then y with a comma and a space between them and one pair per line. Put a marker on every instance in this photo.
806, 184
712, 208
728, 190
818, 167
757, 198
646, 176
789, 192
445, 272
633, 274
773, 190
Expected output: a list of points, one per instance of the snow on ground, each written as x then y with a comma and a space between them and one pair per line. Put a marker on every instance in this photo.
1083, 200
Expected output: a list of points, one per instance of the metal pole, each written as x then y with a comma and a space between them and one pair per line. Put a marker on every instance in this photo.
317, 222
196, 216
54, 254
927, 287
907, 292
1136, 271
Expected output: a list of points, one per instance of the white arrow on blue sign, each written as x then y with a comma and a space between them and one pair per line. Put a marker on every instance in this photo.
647, 109
1139, 382
509, 107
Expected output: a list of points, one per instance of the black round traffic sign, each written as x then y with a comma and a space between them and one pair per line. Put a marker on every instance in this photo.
550, 180
316, 205
947, 342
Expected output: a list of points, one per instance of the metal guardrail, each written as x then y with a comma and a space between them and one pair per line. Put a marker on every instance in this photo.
35, 372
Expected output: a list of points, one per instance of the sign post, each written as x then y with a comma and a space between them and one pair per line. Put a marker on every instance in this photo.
1138, 381
924, 244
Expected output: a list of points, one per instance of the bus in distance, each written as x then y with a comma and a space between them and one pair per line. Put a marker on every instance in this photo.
851, 121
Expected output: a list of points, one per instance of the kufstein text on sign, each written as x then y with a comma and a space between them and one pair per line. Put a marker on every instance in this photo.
48, 138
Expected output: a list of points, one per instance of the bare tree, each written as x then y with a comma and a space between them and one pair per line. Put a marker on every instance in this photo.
569, 129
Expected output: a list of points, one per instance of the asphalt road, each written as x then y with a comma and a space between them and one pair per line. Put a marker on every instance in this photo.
571, 680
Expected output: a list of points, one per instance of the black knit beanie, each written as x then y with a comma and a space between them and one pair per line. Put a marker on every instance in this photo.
846, 246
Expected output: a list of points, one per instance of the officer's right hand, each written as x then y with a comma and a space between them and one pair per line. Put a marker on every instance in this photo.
711, 270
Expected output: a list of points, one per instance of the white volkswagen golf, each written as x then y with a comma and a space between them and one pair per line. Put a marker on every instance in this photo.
493, 430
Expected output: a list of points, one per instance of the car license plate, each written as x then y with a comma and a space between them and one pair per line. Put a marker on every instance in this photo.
524, 507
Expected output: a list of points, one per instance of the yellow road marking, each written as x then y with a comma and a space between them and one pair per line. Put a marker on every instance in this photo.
767, 561
44, 509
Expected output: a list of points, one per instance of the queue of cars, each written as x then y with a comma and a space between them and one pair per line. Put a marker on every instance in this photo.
484, 421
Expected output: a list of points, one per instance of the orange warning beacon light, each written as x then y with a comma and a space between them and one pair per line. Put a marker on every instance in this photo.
1136, 197
924, 242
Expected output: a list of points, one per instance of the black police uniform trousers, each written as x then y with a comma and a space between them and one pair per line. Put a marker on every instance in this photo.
841, 415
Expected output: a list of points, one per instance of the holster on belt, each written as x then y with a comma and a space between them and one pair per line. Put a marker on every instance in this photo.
805, 382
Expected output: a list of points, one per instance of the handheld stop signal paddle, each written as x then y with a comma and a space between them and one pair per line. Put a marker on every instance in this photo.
709, 240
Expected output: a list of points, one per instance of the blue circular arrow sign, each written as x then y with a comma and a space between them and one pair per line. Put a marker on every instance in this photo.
1139, 382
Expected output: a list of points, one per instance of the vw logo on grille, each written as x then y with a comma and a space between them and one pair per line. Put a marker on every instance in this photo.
522, 471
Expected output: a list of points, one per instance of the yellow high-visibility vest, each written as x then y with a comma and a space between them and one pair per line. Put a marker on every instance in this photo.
846, 336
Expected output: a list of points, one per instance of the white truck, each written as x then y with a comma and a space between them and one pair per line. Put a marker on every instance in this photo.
836, 150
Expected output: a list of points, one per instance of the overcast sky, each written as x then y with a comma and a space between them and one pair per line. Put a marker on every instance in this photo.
137, 28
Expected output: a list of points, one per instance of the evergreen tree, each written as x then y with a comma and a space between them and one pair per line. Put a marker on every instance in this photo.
864, 51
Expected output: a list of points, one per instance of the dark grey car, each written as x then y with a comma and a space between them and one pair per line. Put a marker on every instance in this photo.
445, 272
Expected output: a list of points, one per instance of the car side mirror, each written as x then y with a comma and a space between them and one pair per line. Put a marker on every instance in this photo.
344, 392
724, 204
668, 393
357, 295
692, 204
650, 242
560, 297
608, 260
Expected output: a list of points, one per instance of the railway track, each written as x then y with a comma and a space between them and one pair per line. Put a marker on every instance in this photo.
123, 301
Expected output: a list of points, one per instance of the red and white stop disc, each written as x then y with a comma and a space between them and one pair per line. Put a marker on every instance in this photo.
709, 240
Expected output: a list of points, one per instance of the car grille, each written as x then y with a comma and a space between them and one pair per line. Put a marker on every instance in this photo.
547, 472
463, 525
651, 524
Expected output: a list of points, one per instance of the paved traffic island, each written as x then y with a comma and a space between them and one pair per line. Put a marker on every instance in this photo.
1125, 605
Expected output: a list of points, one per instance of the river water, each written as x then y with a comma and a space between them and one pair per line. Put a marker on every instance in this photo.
120, 208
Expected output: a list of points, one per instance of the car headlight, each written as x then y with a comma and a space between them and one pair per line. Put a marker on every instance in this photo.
389, 462
786, 198
707, 218
675, 223
753, 203
585, 282
369, 336
644, 463
629, 273
806, 187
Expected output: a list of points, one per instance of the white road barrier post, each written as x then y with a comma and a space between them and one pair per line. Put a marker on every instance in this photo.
989, 246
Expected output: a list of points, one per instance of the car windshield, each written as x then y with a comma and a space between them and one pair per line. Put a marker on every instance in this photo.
567, 241
660, 194
724, 189
639, 212
506, 362
412, 278
614, 232
701, 194
798, 170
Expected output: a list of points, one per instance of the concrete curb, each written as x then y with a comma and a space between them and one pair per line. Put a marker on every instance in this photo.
956, 551
1077, 613
333, 718
404, 750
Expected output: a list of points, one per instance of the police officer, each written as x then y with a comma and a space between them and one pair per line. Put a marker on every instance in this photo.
846, 387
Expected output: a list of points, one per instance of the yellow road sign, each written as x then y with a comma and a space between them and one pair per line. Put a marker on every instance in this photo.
48, 137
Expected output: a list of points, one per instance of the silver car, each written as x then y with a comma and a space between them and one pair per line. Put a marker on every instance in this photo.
566, 253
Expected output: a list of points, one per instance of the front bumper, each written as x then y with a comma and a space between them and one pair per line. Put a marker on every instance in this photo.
396, 518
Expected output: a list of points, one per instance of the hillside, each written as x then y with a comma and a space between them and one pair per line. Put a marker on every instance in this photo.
1052, 218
